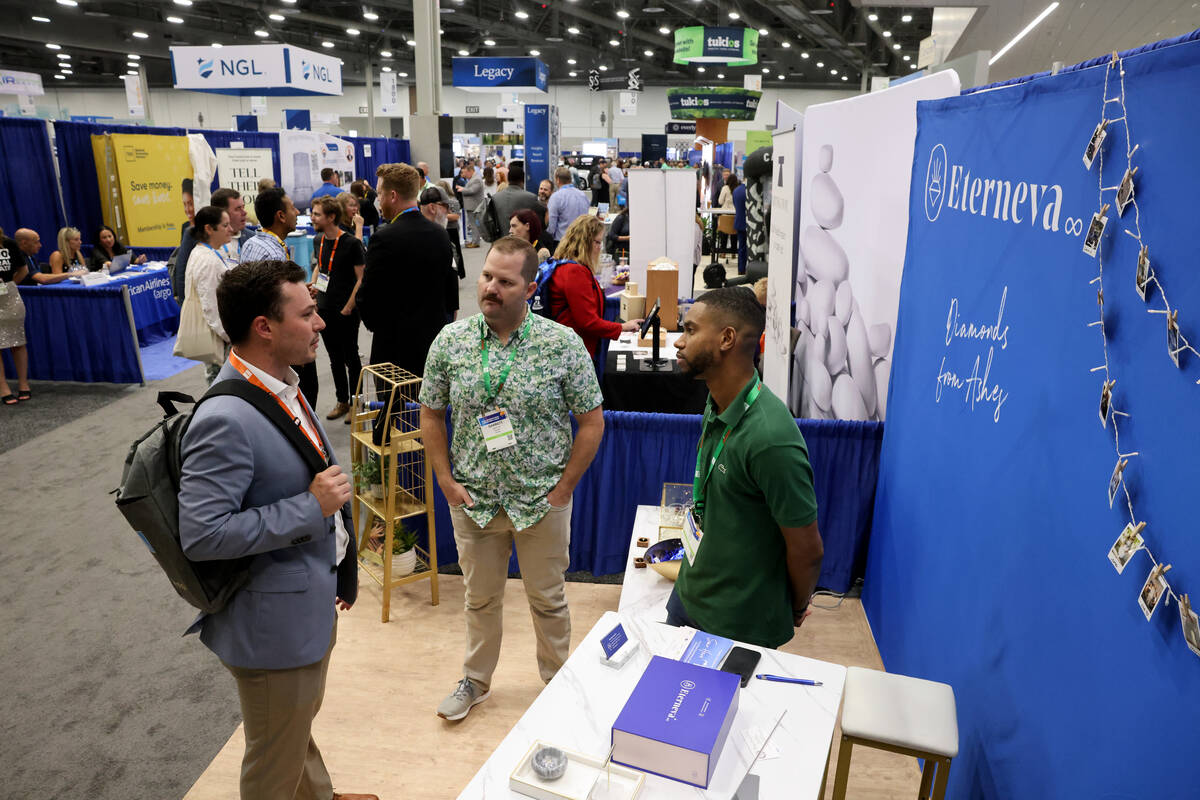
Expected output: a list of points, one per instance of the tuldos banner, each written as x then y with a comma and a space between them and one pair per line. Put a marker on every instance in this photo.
261, 69
737, 47
713, 102
500, 74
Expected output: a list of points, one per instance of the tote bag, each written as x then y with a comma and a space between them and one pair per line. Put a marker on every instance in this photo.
196, 339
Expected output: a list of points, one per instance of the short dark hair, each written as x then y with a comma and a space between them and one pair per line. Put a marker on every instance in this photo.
359, 189
253, 289
268, 204
327, 174
430, 195
186, 187
507, 245
221, 197
737, 308
516, 175
206, 217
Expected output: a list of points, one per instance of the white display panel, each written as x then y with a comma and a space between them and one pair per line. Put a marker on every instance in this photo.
662, 222
781, 259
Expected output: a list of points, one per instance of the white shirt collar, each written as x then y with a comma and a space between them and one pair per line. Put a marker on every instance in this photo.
285, 390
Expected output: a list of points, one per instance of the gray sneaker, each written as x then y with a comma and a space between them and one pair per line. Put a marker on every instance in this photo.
465, 695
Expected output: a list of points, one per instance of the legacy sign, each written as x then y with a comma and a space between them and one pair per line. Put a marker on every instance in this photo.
263, 69
500, 74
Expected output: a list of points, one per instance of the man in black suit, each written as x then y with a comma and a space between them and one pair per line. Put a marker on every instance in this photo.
402, 296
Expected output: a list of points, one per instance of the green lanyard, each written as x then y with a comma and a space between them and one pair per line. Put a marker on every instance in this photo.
698, 485
485, 346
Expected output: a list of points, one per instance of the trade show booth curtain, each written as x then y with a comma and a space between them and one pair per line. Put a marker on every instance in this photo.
249, 139
987, 566
77, 171
383, 151
640, 452
27, 196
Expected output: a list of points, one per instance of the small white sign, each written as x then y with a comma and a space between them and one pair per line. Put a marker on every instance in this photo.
927, 51
20, 83
27, 106
752, 82
258, 104
389, 94
134, 98
366, 150
629, 103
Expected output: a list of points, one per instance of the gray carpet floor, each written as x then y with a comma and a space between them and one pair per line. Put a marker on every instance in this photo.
102, 698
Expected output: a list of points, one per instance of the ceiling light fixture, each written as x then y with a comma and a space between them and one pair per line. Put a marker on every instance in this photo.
260, 33
721, 75
622, 13
571, 61
845, 78
648, 53
887, 34
141, 35
873, 17
820, 63
289, 2
131, 57
906, 18
604, 68
1045, 13
217, 45
907, 58
370, 16
787, 45
464, 53
614, 42
521, 15
276, 17
385, 69
40, 19
781, 77
535, 52
804, 54
833, 72
53, 46
699, 69
489, 42
353, 31
61, 77
69, 3
410, 43
664, 30
896, 46
573, 31
327, 44
402, 74
766, 70
131, 72
184, 3
63, 56
763, 31
175, 20
571, 74
734, 15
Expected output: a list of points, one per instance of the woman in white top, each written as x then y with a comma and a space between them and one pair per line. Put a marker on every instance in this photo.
725, 222
205, 267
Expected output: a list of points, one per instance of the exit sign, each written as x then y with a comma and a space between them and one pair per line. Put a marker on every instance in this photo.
472, 109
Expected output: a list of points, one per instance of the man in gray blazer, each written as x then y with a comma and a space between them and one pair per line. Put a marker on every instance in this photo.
246, 491
472, 195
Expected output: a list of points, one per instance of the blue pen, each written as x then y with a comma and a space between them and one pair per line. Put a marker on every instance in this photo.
782, 679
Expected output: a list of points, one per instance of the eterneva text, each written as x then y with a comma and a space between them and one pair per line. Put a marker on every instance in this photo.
1007, 199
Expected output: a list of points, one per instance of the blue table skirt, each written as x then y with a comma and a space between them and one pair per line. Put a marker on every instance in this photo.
81, 333
640, 452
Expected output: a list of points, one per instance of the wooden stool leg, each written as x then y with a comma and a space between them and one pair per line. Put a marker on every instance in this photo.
927, 773
843, 768
943, 778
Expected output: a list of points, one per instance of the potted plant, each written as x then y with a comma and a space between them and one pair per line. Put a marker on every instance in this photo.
404, 552
368, 477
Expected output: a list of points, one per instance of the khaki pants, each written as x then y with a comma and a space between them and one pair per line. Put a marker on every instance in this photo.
614, 189
483, 553
282, 761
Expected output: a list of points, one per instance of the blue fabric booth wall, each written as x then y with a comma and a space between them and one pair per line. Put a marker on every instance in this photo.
27, 199
640, 452
987, 566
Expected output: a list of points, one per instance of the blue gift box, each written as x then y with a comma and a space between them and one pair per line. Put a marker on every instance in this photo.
675, 722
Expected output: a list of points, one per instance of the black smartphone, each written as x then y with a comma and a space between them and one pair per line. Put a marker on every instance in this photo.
741, 661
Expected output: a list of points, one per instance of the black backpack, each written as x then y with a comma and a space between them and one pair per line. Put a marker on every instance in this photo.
491, 221
148, 496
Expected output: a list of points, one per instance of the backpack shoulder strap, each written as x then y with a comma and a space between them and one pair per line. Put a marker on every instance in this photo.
271, 410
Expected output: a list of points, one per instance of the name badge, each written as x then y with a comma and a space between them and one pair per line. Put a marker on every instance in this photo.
497, 430
321, 281
692, 536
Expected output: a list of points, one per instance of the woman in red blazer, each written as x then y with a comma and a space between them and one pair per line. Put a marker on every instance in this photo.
576, 299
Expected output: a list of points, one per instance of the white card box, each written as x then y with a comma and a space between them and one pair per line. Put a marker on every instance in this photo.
586, 778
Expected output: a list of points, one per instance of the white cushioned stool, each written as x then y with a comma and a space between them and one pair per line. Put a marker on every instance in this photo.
903, 715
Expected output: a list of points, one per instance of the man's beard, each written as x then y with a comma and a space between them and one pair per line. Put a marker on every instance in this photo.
696, 364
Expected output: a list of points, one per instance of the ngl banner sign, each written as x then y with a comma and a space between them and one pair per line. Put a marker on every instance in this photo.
263, 69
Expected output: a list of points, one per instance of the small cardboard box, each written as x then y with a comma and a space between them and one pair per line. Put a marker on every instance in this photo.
633, 305
662, 284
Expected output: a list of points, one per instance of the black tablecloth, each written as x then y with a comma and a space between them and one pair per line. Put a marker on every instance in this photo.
634, 390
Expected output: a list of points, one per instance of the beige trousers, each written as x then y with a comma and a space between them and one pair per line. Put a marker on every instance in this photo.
543, 553
282, 761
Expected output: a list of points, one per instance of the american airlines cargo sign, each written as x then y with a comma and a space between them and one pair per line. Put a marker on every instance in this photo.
500, 74
264, 69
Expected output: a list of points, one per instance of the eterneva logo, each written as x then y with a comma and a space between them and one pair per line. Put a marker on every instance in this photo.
953, 186
685, 686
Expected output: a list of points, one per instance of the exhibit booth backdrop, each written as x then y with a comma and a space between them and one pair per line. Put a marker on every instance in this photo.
25, 156
987, 567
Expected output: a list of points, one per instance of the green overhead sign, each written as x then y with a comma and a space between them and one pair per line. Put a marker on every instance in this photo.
737, 47
713, 102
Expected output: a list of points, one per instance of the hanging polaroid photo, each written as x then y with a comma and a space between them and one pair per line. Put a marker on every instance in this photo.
1105, 403
1152, 592
1173, 347
1114, 483
1144, 272
1125, 191
1093, 145
1128, 543
1091, 242
1191, 625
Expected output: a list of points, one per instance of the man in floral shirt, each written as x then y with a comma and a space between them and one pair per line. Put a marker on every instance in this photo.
511, 377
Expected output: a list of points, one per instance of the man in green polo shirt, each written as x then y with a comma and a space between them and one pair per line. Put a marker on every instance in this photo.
510, 377
758, 554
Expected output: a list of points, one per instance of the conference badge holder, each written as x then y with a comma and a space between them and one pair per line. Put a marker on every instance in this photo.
321, 281
1091, 243
692, 535
497, 430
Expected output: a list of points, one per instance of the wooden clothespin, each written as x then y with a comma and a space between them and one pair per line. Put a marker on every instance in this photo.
1100, 297
1104, 210
1159, 570
1115, 58
1137, 529
1185, 604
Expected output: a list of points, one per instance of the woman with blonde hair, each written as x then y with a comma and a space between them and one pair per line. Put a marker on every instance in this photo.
67, 257
351, 219
576, 299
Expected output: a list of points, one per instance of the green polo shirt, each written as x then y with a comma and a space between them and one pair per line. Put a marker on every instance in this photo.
739, 586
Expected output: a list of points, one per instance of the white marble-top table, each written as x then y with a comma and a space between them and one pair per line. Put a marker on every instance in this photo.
627, 343
576, 710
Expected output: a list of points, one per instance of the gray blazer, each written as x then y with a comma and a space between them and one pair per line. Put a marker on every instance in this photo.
244, 491
472, 193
